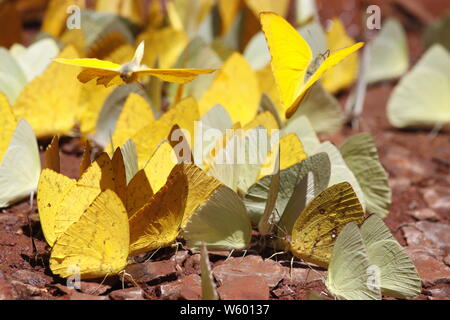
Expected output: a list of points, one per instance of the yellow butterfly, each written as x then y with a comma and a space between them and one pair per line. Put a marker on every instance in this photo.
294, 67
315, 231
316, 228
100, 242
94, 224
108, 73
61, 200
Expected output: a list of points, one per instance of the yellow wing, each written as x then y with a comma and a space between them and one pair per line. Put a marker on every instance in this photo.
91, 100
52, 159
200, 188
166, 46
291, 59
158, 223
49, 101
52, 189
147, 140
264, 119
103, 174
317, 227
97, 244
236, 89
8, 125
268, 86
291, 56
105, 72
160, 165
345, 73
139, 191
330, 62
174, 75
291, 152
90, 63
135, 115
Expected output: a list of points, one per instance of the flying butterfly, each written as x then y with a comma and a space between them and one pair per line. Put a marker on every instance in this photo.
109, 73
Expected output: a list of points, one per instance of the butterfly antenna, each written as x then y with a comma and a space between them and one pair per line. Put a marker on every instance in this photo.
230, 254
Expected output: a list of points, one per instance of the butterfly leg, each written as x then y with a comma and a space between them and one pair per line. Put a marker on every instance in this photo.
151, 256
276, 254
30, 229
437, 128
229, 255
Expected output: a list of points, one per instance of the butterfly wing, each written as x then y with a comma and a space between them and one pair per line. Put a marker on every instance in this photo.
90, 63
129, 154
236, 76
160, 165
291, 56
388, 53
103, 174
52, 189
361, 156
348, 276
158, 223
422, 97
20, 167
135, 114
96, 245
221, 223
8, 125
330, 62
398, 275
50, 111
174, 75
344, 74
104, 71
315, 230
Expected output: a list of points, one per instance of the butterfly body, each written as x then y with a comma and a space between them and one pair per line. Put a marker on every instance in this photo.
127, 72
317, 62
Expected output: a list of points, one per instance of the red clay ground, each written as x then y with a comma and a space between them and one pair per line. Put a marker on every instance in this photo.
419, 169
